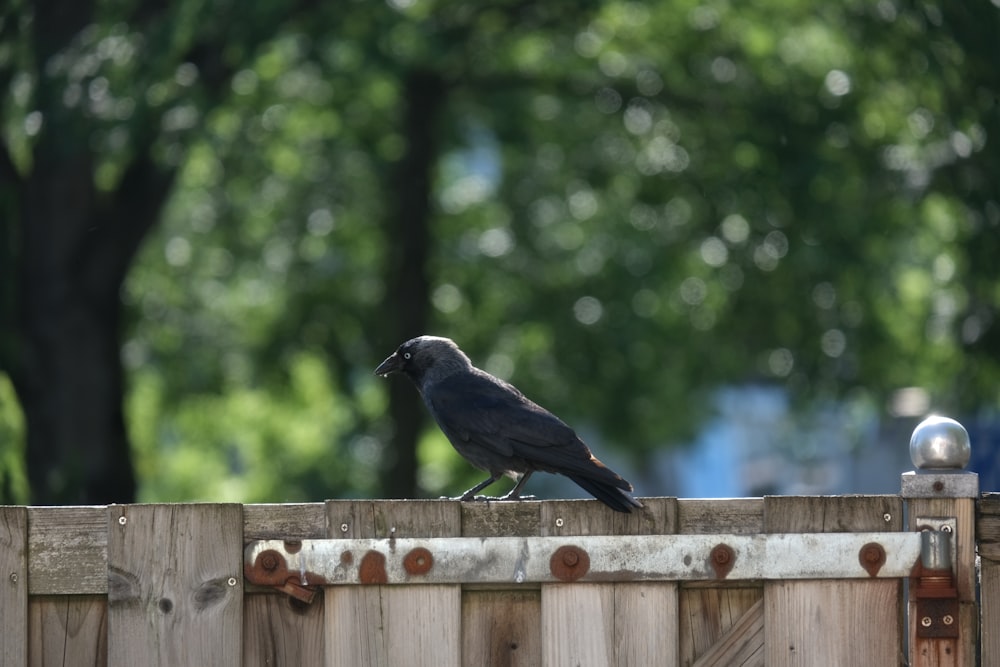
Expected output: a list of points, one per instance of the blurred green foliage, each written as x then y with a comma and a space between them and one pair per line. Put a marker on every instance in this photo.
636, 204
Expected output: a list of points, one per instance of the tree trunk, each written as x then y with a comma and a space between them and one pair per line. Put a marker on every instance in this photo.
407, 244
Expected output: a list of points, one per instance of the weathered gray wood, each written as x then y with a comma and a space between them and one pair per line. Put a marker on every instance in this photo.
721, 625
739, 516
959, 652
302, 521
988, 539
279, 630
616, 624
741, 645
68, 630
67, 550
394, 625
500, 519
13, 586
501, 627
175, 594
832, 622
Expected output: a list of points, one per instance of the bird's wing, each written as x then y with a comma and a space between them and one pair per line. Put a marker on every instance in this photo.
481, 410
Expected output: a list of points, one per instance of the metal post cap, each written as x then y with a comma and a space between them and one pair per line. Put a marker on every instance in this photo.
940, 443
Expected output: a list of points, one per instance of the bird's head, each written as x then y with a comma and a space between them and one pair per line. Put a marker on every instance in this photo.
424, 358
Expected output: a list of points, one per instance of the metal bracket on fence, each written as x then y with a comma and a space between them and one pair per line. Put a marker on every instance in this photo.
934, 585
516, 560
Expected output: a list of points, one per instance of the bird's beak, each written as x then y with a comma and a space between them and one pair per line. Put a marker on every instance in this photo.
390, 365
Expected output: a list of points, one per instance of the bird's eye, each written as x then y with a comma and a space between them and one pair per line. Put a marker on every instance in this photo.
407, 355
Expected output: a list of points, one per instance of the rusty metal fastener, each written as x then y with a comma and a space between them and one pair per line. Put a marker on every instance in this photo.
722, 559
569, 563
418, 561
269, 561
872, 558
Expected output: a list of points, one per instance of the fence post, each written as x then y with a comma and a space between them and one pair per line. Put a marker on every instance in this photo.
943, 622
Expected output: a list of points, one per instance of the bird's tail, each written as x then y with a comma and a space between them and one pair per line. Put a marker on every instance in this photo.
608, 493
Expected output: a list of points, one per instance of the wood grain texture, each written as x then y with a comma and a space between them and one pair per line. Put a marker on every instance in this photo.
811, 623
739, 516
988, 538
68, 630
300, 521
14, 586
741, 644
394, 625
609, 624
175, 594
67, 550
279, 630
720, 622
501, 628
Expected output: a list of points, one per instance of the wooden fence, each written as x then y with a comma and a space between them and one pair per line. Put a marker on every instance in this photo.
164, 585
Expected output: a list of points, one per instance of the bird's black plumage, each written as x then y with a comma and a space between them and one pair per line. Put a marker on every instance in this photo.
496, 428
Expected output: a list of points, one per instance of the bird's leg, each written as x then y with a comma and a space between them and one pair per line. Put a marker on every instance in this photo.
515, 493
471, 493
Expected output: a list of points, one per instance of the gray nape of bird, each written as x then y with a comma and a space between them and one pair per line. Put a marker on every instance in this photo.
495, 428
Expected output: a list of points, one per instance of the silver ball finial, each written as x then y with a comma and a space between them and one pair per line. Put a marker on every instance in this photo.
940, 443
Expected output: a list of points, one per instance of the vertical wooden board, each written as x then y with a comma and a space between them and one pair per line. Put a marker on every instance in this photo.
279, 630
275, 521
617, 624
989, 588
13, 586
394, 625
68, 630
711, 617
578, 624
832, 622
175, 592
67, 550
988, 541
962, 651
501, 628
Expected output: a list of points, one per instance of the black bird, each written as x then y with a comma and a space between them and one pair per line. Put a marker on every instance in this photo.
495, 428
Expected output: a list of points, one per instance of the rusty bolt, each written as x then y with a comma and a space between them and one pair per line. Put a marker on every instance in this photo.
269, 561
418, 561
938, 486
722, 559
926, 621
948, 619
872, 558
569, 563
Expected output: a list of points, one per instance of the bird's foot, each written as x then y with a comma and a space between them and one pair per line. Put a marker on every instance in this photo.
466, 498
515, 496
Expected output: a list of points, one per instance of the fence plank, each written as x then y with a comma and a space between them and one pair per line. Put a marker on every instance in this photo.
721, 625
67, 550
988, 539
68, 630
175, 595
279, 630
501, 626
739, 516
616, 624
394, 625
832, 622
303, 521
14, 586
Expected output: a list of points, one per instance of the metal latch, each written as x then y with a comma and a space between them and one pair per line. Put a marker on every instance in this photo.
934, 585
